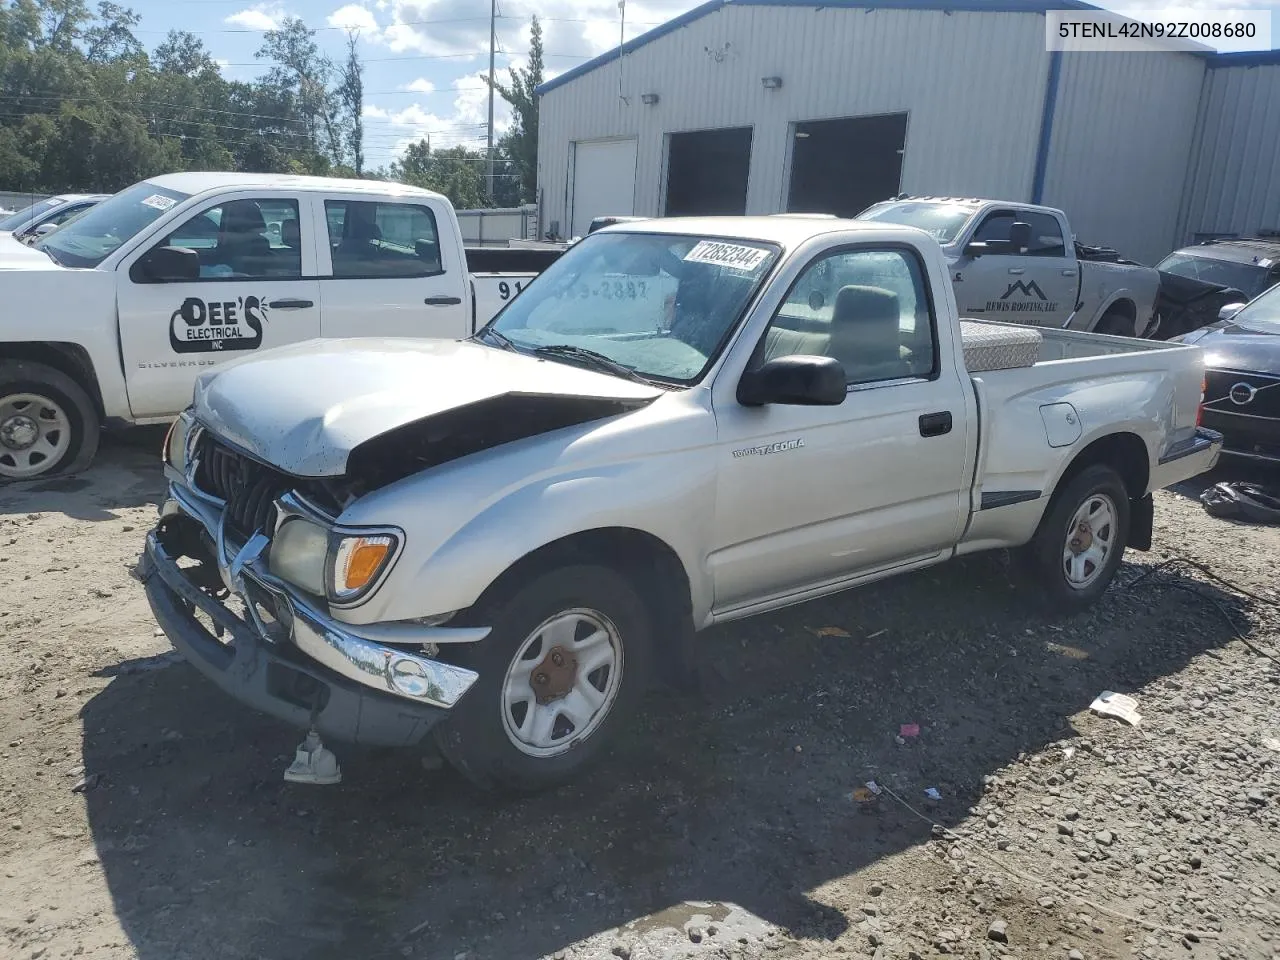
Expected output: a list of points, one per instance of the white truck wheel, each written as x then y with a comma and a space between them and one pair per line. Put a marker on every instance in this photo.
563, 668
48, 424
1081, 538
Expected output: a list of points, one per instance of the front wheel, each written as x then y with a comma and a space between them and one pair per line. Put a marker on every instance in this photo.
1081, 539
48, 424
563, 667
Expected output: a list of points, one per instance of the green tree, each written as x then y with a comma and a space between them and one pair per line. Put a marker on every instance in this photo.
456, 172
520, 143
302, 72
351, 95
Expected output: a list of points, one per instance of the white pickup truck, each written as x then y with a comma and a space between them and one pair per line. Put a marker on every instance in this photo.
1020, 262
110, 318
497, 541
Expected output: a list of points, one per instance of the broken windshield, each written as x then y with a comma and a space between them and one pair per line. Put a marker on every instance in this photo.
661, 305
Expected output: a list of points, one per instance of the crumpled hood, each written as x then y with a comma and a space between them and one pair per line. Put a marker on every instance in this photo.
304, 408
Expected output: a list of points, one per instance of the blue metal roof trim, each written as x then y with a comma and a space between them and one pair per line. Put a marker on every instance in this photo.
698, 12
1250, 58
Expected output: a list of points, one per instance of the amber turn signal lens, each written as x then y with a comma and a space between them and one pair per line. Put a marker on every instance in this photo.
357, 563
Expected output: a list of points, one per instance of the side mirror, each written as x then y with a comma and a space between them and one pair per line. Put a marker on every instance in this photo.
801, 380
44, 228
1229, 310
1020, 236
167, 265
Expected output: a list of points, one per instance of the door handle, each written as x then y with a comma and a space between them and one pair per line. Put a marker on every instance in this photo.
1068, 273
290, 304
1017, 269
442, 301
935, 424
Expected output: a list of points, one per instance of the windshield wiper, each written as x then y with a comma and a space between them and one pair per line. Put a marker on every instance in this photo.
49, 252
592, 359
500, 339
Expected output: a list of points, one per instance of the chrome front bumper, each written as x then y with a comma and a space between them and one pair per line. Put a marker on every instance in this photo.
384, 660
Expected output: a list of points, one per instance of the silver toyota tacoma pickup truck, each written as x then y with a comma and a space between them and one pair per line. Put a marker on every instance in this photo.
498, 542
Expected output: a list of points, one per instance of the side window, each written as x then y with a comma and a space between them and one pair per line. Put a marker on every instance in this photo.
376, 240
1046, 236
867, 308
995, 226
62, 216
244, 240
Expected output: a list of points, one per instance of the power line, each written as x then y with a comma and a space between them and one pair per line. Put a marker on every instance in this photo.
402, 23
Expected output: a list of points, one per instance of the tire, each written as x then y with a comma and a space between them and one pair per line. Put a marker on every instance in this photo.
48, 423
481, 737
1115, 323
1069, 589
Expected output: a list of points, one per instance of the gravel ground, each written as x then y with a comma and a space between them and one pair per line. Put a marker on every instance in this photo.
142, 813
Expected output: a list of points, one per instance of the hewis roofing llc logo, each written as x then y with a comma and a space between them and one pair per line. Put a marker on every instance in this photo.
1031, 300
205, 327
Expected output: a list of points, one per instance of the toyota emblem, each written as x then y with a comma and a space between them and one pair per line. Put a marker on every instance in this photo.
1242, 393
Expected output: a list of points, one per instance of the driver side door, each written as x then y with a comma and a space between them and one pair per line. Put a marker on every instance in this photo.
256, 289
808, 496
1036, 286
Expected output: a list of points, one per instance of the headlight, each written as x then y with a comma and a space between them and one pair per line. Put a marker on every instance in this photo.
175, 443
297, 554
356, 562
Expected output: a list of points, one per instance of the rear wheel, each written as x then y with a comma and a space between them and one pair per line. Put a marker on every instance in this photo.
1081, 539
564, 666
48, 424
1116, 323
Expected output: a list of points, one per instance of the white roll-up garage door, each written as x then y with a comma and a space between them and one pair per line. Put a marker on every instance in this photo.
604, 181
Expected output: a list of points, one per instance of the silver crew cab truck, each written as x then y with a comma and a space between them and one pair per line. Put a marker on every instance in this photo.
1020, 262
495, 541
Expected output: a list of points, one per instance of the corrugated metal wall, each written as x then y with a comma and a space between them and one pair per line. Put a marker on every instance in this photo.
1233, 181
973, 84
1123, 128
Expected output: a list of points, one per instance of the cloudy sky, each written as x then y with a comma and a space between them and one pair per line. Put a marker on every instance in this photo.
424, 59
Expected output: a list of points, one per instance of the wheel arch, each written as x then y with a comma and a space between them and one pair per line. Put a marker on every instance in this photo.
1124, 451
650, 563
70, 359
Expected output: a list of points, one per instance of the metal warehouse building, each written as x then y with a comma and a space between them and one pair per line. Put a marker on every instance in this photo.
764, 106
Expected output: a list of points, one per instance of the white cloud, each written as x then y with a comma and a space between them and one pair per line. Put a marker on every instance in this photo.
260, 17
222, 64
421, 85
353, 17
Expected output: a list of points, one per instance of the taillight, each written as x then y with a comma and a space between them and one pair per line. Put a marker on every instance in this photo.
1204, 388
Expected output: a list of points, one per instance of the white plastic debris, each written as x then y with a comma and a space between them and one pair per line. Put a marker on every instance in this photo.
313, 763
1112, 704
1068, 752
873, 787
932, 793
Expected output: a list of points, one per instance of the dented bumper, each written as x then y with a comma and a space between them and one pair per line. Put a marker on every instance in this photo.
284, 656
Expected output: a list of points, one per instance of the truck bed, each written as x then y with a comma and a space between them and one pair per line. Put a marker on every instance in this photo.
991, 345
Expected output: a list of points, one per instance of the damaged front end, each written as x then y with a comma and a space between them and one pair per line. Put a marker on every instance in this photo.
1186, 304
240, 573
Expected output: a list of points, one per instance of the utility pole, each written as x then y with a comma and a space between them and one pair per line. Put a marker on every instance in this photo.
493, 42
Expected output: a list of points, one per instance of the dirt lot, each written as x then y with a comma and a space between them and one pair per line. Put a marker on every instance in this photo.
142, 813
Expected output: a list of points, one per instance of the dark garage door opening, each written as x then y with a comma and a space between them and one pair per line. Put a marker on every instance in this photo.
843, 166
707, 172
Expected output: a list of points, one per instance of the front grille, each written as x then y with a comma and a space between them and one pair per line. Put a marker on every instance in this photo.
1265, 401
248, 487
